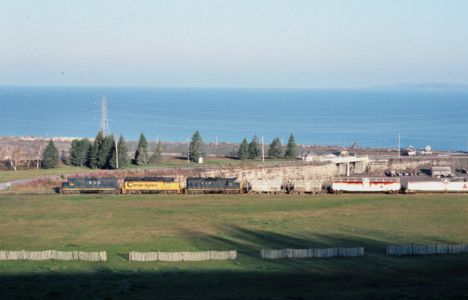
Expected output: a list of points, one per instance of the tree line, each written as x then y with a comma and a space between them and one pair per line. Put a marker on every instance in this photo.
104, 153
275, 149
107, 153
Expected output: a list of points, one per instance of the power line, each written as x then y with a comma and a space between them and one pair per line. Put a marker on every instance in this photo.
104, 120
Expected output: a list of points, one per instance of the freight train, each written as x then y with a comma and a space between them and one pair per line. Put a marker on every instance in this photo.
218, 185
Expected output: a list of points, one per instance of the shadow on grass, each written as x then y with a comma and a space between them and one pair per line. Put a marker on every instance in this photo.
250, 277
248, 242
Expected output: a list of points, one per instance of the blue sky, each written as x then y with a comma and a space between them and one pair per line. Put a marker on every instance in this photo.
248, 43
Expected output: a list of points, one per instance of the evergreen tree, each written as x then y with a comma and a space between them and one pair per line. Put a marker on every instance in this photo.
196, 147
157, 156
275, 150
50, 156
141, 153
123, 157
254, 148
243, 152
75, 153
291, 148
94, 153
65, 158
105, 152
79, 152
87, 147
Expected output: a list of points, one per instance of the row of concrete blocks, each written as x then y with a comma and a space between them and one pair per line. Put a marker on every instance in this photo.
183, 256
133, 256
312, 253
416, 249
101, 256
53, 254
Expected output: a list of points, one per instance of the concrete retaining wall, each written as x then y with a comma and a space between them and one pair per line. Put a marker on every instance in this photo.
316, 175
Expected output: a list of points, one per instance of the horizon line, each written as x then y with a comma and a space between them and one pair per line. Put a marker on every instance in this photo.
422, 85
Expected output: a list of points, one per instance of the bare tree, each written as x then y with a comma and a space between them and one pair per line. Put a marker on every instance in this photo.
37, 149
2, 153
16, 156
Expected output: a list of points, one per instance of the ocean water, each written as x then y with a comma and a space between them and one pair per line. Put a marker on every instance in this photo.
370, 118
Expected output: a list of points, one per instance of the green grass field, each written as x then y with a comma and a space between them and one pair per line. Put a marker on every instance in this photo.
33, 173
247, 223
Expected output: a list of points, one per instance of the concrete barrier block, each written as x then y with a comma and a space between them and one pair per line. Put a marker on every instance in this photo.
424, 249
196, 256
223, 255
400, 250
465, 248
170, 256
327, 252
274, 254
455, 249
297, 253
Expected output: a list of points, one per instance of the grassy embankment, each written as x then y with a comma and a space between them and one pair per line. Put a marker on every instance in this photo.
247, 223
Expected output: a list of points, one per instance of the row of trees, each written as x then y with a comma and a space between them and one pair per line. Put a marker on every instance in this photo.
104, 153
40, 154
275, 150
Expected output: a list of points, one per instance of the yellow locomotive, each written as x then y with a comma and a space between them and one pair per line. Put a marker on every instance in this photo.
150, 185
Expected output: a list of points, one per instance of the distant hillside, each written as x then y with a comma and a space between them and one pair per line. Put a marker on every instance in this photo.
423, 86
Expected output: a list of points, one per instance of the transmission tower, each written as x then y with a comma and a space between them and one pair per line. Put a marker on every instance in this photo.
104, 120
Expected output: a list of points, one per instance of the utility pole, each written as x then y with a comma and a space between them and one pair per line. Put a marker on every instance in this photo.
263, 150
116, 153
104, 120
188, 151
216, 146
399, 145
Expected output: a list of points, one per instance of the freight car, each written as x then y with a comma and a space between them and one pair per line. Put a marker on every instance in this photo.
212, 185
440, 186
96, 185
305, 187
150, 185
259, 186
366, 185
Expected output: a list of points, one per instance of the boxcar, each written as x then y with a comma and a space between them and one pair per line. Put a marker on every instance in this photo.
366, 185
150, 185
103, 185
212, 185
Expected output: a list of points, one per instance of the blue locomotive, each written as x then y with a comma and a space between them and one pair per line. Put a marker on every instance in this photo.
95, 185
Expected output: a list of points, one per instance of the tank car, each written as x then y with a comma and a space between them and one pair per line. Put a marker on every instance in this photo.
94, 185
366, 185
439, 186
